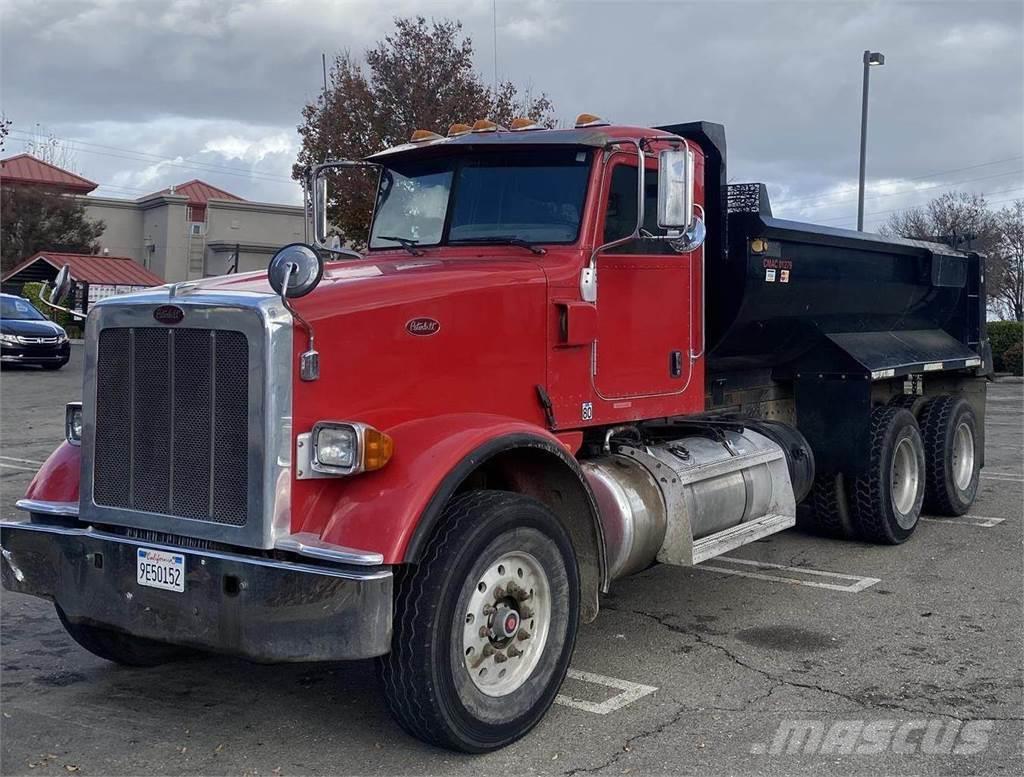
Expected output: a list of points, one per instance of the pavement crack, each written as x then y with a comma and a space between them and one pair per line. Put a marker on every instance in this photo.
663, 620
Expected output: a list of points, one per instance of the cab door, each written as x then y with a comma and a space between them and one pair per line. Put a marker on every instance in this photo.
644, 296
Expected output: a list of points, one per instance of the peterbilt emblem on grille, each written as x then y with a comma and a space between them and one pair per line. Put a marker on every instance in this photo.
169, 314
423, 326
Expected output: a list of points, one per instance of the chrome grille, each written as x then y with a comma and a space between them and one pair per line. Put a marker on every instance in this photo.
172, 422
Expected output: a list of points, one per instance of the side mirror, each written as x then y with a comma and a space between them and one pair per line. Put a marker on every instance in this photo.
675, 189
295, 271
317, 198
61, 286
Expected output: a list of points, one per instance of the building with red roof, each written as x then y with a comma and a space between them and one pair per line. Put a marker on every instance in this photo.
187, 231
96, 276
27, 170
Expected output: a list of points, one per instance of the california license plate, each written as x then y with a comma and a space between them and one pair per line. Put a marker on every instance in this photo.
161, 569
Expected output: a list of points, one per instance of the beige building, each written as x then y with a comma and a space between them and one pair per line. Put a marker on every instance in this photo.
193, 230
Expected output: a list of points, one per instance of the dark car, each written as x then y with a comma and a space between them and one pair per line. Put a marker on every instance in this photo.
28, 337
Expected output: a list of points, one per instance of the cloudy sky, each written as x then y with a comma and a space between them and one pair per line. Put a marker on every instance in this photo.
149, 94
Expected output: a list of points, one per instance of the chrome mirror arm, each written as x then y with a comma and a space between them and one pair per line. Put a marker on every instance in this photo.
315, 203
47, 301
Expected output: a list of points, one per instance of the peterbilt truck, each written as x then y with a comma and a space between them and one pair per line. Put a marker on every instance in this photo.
565, 355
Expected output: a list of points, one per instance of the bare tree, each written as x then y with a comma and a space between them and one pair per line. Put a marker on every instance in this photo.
45, 145
5, 129
958, 219
1006, 276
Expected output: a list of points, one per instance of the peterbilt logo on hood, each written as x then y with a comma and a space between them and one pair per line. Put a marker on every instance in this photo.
423, 326
169, 314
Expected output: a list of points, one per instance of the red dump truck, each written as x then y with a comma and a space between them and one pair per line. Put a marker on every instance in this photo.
566, 355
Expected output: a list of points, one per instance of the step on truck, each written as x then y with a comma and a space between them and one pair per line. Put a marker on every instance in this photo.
564, 356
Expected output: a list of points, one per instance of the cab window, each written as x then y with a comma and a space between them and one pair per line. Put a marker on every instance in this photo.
620, 215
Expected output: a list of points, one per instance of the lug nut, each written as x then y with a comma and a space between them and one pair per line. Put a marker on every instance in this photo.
525, 613
513, 651
523, 635
483, 631
499, 592
500, 658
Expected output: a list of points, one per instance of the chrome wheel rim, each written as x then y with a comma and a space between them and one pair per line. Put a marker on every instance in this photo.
963, 457
904, 478
506, 623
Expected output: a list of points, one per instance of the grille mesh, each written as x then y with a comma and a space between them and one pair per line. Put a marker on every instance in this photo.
172, 422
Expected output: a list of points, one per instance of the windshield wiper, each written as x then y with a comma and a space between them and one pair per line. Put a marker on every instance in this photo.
500, 240
406, 242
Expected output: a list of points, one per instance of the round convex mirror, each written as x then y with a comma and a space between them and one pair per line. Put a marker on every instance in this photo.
295, 270
61, 286
692, 239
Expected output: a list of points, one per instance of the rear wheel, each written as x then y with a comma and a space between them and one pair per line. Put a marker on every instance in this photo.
829, 513
885, 503
120, 648
485, 625
949, 428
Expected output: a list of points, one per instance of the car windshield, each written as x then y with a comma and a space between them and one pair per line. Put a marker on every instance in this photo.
517, 195
19, 310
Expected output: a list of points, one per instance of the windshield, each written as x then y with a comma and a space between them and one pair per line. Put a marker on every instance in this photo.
526, 194
19, 310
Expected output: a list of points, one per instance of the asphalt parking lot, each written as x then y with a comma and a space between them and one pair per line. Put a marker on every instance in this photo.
806, 656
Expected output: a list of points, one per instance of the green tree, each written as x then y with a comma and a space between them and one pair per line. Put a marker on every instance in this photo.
33, 219
421, 76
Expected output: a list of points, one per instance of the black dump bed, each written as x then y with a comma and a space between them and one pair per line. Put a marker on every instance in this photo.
788, 296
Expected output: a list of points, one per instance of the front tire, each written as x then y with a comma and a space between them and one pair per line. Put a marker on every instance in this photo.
485, 625
120, 648
885, 503
950, 431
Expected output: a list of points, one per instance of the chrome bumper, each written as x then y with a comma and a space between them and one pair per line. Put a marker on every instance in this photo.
258, 608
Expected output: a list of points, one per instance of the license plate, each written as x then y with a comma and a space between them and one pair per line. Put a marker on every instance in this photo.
160, 569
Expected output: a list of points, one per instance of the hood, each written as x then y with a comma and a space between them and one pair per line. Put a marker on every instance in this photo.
14, 326
389, 280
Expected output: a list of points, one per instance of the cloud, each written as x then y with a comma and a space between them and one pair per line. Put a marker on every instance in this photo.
222, 83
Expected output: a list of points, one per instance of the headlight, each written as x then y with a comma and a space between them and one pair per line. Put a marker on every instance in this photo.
62, 337
73, 423
8, 339
348, 448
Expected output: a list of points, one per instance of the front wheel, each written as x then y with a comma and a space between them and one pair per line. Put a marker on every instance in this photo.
485, 625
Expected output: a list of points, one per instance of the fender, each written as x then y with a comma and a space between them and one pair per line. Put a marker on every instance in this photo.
57, 480
394, 510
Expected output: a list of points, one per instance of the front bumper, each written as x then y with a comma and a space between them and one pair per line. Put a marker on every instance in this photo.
36, 354
258, 608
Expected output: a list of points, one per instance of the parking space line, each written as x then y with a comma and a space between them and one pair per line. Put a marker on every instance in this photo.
630, 692
5, 465
857, 582
981, 521
1003, 478
21, 461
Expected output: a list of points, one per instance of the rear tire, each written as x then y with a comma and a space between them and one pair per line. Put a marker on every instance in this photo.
500, 565
950, 431
885, 503
830, 515
121, 648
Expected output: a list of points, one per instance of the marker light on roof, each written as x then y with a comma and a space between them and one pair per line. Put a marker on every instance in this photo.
483, 125
459, 129
522, 125
420, 135
590, 120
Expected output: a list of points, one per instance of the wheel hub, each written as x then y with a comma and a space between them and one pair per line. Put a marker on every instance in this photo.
506, 623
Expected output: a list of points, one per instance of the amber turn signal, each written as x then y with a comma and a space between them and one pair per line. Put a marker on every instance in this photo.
523, 124
377, 449
589, 120
484, 125
459, 129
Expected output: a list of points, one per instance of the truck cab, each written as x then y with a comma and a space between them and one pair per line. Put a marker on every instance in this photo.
564, 356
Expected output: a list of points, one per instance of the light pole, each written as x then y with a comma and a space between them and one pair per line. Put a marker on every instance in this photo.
870, 58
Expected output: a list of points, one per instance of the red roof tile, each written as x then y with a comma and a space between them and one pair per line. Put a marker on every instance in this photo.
26, 169
198, 192
86, 268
